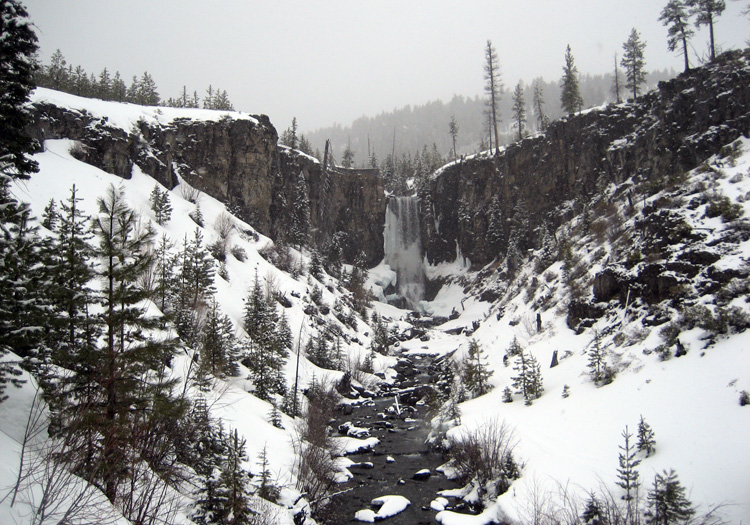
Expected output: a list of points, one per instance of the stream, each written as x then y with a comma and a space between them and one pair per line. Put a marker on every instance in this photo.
401, 453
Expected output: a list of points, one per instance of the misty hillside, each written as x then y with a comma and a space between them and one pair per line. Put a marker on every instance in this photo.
420, 125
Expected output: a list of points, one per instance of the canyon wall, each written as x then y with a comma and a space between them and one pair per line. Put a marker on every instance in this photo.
478, 207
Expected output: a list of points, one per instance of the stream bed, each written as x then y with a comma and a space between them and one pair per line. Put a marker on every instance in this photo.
390, 467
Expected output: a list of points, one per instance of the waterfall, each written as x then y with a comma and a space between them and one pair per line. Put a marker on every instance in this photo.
403, 247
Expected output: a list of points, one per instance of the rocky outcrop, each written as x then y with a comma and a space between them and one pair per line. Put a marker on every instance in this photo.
237, 161
479, 206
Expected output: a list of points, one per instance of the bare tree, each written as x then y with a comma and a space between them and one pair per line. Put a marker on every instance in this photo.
493, 87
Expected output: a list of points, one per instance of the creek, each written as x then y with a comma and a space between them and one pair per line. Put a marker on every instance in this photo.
389, 468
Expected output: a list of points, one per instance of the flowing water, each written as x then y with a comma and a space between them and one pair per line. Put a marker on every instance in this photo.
403, 248
402, 439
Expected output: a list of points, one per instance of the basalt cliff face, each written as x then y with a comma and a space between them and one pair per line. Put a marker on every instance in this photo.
482, 206
237, 161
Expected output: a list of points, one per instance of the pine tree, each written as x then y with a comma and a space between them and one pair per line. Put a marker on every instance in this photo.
73, 329
616, 84
219, 347
274, 417
542, 121
495, 236
507, 395
570, 96
493, 88
627, 475
528, 382
476, 371
104, 85
646, 439
667, 501
706, 11
209, 450
22, 303
593, 513
675, 17
160, 205
233, 490
130, 359
347, 158
299, 230
17, 65
453, 130
597, 364
633, 62
519, 109
197, 215
265, 486
50, 215
146, 94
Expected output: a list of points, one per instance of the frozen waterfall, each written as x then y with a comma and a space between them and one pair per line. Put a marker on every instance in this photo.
403, 248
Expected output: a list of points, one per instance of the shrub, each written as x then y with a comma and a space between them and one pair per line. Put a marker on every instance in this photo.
744, 398
722, 206
239, 253
485, 453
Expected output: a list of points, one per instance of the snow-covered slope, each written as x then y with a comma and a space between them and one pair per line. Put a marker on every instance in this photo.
230, 400
570, 445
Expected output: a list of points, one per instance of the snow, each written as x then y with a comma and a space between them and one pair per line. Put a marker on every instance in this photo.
389, 506
124, 115
690, 402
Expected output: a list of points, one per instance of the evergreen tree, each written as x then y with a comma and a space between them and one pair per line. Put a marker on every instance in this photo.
17, 66
160, 205
493, 88
22, 282
197, 215
528, 382
131, 381
146, 94
233, 490
495, 236
50, 215
73, 330
476, 371
542, 121
347, 159
269, 346
519, 109
208, 100
265, 486
675, 17
453, 130
570, 96
380, 337
593, 513
56, 72
165, 284
633, 62
118, 89
274, 417
627, 475
616, 83
646, 439
597, 364
219, 347
507, 395
104, 85
667, 501
299, 231
706, 11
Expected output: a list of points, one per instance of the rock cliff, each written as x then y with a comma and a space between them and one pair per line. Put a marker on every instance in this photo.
482, 205
237, 161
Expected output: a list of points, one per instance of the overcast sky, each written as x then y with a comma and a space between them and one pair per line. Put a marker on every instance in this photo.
331, 61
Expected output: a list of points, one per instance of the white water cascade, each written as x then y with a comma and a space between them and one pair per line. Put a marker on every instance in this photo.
403, 248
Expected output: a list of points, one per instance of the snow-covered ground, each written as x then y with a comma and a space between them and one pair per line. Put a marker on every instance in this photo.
568, 443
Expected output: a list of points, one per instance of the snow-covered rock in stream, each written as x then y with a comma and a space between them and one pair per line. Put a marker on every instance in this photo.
389, 506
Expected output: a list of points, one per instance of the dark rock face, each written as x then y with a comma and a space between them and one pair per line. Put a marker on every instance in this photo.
545, 178
238, 162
